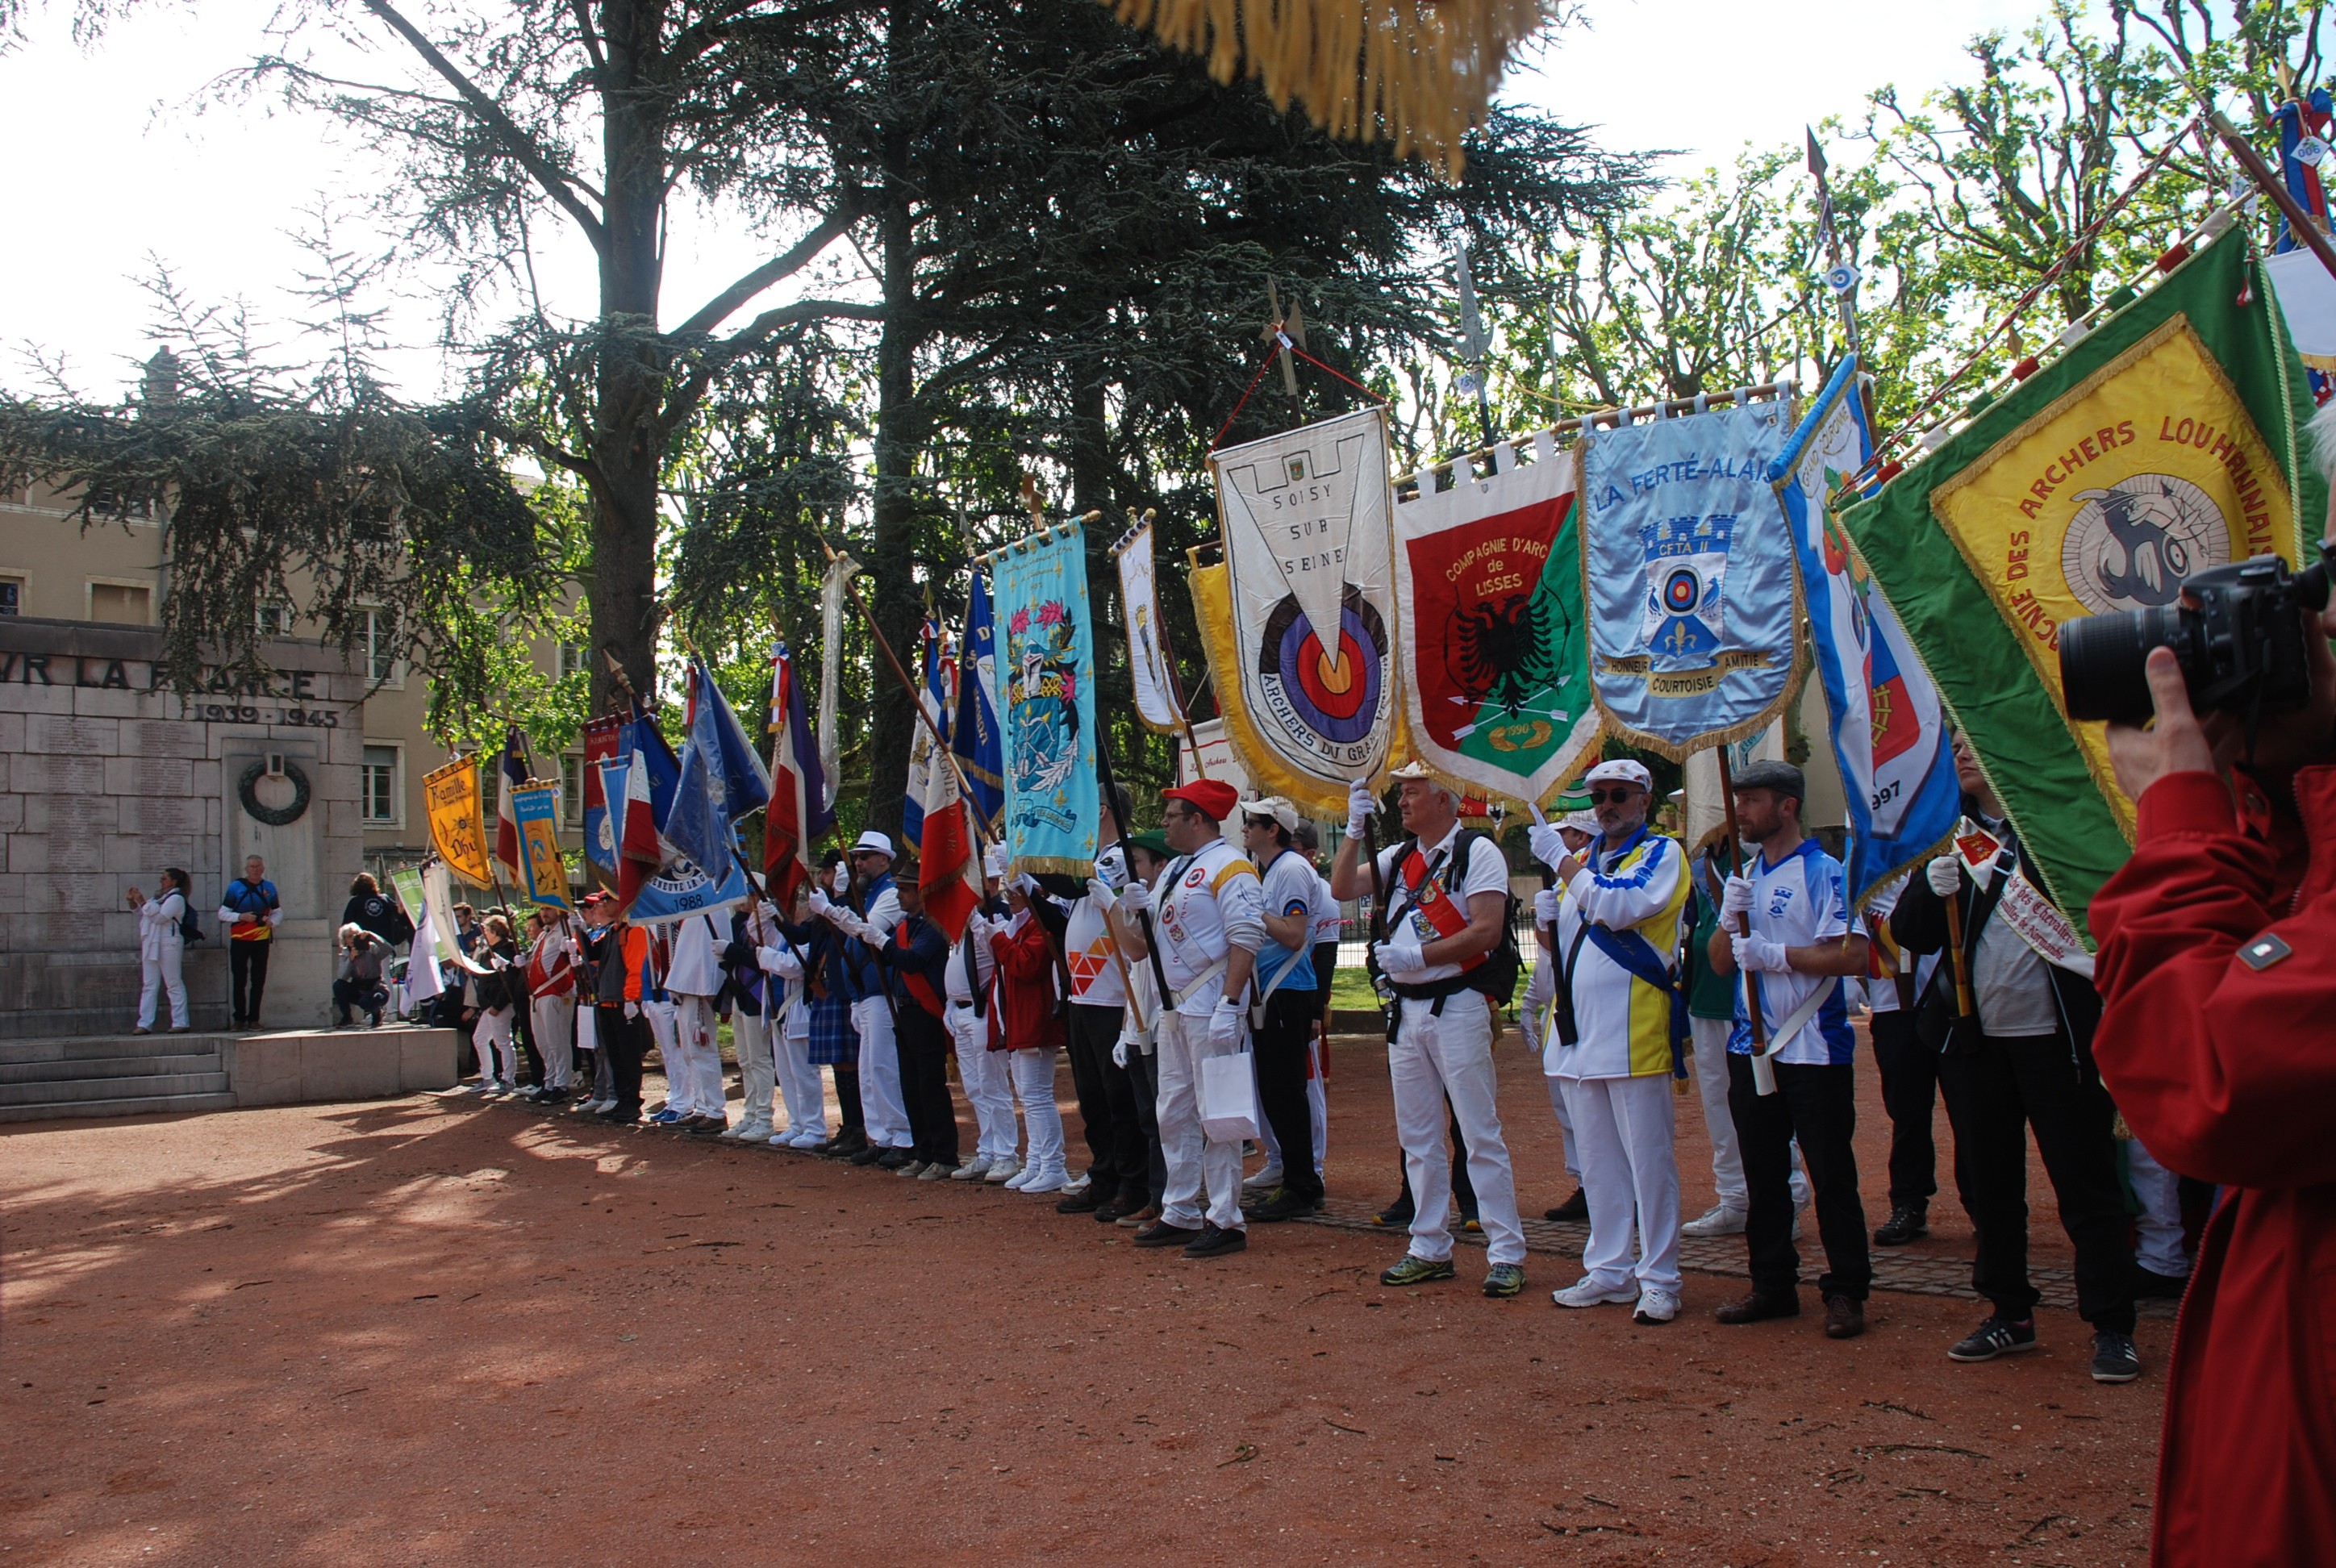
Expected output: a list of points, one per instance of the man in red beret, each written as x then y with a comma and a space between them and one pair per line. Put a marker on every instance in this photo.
1210, 923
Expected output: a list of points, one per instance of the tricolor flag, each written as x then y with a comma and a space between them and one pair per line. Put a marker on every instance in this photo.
924, 755
510, 772
974, 737
949, 871
799, 814
650, 781
722, 777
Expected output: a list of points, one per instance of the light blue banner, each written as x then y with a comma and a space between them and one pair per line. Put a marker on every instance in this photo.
681, 889
1045, 692
1689, 577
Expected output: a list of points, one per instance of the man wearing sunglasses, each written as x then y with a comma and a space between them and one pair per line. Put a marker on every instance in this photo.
1614, 1042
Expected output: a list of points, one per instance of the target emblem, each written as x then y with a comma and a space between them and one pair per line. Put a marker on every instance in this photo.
1335, 691
1682, 591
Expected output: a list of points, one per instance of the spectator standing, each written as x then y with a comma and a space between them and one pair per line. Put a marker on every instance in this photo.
377, 912
250, 910
161, 950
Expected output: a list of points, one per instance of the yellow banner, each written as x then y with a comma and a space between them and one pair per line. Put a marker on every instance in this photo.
2143, 474
450, 797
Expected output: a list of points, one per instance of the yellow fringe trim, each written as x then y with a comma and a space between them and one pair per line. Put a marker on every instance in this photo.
1416, 73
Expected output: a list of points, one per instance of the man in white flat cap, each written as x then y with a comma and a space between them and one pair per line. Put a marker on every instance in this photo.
1615, 1043
867, 923
1445, 893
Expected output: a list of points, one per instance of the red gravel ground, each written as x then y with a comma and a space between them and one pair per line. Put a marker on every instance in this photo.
434, 1331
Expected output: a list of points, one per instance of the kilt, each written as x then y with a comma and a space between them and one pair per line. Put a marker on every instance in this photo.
834, 1043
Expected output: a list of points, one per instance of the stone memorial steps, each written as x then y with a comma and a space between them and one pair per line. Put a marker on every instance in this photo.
112, 1075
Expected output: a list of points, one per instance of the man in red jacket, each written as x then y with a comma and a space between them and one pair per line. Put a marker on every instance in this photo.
2219, 1044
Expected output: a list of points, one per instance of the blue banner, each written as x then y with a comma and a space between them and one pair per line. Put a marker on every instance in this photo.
1046, 689
542, 867
681, 889
1889, 727
973, 738
1687, 577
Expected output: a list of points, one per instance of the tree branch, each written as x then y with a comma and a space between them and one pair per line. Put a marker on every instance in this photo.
516, 142
723, 306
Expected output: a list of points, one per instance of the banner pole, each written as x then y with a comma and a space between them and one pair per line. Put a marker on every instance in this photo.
2299, 221
1764, 1074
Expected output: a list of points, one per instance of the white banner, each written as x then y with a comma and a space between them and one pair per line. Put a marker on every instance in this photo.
1305, 516
1147, 647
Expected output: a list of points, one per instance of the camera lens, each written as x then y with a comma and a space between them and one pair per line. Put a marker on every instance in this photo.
2104, 659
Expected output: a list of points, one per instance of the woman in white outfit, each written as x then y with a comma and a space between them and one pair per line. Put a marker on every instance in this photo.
161, 950
497, 991
693, 1086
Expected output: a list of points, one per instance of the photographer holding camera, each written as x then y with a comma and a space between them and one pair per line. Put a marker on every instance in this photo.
2219, 1043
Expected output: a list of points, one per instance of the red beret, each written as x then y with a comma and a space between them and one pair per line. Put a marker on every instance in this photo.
1213, 796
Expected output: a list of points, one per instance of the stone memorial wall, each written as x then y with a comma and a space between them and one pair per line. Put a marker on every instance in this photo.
106, 778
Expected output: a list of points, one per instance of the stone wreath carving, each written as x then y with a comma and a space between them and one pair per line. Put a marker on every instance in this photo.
274, 816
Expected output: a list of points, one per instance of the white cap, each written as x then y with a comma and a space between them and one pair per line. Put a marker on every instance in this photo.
1621, 770
1582, 823
1273, 807
874, 842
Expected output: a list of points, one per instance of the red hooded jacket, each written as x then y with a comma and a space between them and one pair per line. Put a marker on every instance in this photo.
2221, 1051
1025, 1016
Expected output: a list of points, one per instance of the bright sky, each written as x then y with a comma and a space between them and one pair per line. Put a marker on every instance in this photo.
120, 136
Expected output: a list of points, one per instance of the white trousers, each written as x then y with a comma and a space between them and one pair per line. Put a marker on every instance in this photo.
492, 1038
1430, 1059
1630, 1176
551, 1023
750, 1037
881, 1106
1034, 1085
661, 1016
800, 1084
1565, 1130
2160, 1225
1196, 1165
1710, 1037
160, 975
987, 1081
695, 1024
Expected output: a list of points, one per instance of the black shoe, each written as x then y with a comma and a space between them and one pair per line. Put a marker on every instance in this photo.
1083, 1203
619, 1117
1844, 1318
846, 1144
890, 1159
869, 1155
1163, 1234
1999, 1336
1575, 1209
1755, 1307
2115, 1360
1906, 1222
2150, 1285
1117, 1209
1398, 1213
1214, 1241
1284, 1204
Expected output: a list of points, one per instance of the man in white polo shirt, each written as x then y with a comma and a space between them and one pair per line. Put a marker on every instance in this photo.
1786, 928
1446, 896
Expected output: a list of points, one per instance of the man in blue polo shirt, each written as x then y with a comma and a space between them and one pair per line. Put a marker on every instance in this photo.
250, 910
1787, 927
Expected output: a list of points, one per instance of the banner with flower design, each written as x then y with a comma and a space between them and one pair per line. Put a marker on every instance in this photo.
1046, 695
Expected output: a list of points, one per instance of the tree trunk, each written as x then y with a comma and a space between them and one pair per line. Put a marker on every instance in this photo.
899, 436
627, 448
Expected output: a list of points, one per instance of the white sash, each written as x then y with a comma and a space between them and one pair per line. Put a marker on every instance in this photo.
2023, 907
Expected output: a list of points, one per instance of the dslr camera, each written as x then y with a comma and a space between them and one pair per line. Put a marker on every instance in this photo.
2238, 631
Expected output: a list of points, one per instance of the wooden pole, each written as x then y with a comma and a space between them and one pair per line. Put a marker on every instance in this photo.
2298, 222
1763, 1075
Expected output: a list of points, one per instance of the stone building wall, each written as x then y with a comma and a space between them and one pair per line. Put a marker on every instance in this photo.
105, 780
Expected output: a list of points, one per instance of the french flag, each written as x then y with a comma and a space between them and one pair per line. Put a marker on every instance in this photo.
798, 815
650, 783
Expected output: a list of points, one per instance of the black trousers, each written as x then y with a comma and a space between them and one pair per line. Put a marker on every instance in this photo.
1910, 1084
1819, 1105
358, 995
847, 1099
1144, 1080
924, 1046
1995, 1092
626, 1042
1118, 1154
246, 969
1282, 1046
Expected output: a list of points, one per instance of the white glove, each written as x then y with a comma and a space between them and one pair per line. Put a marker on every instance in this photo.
1225, 1025
997, 862
1545, 906
1360, 804
767, 959
1137, 899
1113, 865
632, 1009
1029, 884
1547, 847
1399, 958
1100, 890
1760, 955
1736, 900
1946, 874
1119, 1052
843, 878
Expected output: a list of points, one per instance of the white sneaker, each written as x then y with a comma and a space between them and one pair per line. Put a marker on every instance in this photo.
750, 1133
781, 1141
1078, 1183
1655, 1306
1045, 1181
1587, 1293
809, 1138
1003, 1172
1022, 1177
1265, 1180
973, 1170
1719, 1220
